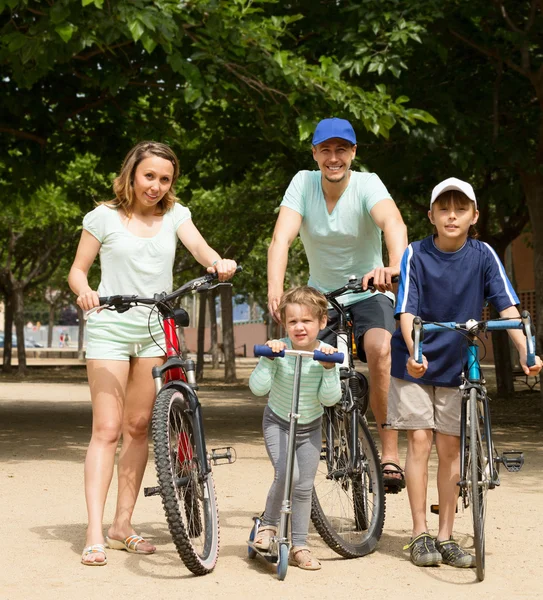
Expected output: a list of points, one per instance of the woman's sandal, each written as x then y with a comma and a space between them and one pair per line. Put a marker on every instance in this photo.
263, 537
393, 479
130, 544
94, 549
300, 556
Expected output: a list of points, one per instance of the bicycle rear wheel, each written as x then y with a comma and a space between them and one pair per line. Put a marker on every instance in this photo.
188, 494
348, 504
479, 479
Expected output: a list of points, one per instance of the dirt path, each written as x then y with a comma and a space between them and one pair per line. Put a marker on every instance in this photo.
44, 430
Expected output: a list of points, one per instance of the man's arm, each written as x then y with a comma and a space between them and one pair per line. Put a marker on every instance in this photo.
387, 217
286, 229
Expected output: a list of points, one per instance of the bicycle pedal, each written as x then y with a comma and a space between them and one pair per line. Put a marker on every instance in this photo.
151, 491
223, 456
434, 508
512, 460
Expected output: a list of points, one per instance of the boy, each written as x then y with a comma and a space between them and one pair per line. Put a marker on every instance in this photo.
445, 277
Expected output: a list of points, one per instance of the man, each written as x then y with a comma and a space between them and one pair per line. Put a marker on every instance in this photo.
341, 215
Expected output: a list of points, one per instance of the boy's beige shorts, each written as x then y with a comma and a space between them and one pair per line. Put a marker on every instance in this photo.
415, 406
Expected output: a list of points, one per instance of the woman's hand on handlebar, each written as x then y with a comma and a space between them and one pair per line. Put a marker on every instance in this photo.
225, 269
382, 279
327, 350
416, 369
88, 299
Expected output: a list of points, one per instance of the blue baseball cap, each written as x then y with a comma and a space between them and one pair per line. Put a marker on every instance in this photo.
334, 128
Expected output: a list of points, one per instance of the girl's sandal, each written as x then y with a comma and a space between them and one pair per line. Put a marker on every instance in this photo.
263, 537
300, 556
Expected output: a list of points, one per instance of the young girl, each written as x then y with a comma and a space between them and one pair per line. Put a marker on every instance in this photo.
303, 312
445, 277
136, 235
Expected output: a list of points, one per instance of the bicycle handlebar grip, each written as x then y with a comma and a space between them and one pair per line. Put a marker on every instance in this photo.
263, 350
336, 357
530, 339
103, 300
417, 340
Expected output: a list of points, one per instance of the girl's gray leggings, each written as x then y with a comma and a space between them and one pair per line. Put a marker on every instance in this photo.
308, 449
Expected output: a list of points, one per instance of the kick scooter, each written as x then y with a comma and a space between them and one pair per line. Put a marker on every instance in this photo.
279, 544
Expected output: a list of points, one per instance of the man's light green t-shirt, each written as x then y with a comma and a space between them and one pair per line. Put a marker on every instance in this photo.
347, 241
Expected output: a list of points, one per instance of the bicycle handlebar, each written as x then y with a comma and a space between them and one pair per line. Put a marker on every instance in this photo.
263, 350
199, 284
354, 286
523, 322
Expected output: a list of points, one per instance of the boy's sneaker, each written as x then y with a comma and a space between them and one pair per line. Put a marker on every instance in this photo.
423, 551
453, 555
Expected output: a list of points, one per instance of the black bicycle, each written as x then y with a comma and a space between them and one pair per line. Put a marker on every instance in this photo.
348, 504
183, 464
479, 460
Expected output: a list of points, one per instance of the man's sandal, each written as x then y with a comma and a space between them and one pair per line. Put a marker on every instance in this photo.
94, 549
393, 479
300, 556
264, 536
130, 544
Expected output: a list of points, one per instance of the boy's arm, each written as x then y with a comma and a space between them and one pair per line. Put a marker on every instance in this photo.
414, 369
330, 387
519, 339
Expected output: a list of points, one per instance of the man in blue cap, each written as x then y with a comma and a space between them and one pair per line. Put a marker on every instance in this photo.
341, 215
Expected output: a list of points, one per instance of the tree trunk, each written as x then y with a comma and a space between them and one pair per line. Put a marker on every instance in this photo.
201, 336
503, 364
533, 188
18, 318
51, 325
213, 330
8, 327
227, 319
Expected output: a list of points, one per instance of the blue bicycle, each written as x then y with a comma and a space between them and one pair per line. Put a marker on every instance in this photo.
479, 460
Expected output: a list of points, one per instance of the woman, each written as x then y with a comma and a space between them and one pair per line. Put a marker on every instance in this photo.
136, 236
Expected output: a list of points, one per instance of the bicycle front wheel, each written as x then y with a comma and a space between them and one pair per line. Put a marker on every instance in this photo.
348, 504
478, 473
188, 493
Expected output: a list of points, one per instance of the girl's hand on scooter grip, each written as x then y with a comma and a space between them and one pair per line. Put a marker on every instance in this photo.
327, 350
276, 346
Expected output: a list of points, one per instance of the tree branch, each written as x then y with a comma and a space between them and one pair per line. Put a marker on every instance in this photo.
24, 135
491, 54
503, 11
102, 50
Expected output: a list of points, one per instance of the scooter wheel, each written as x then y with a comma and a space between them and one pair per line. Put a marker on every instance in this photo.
251, 552
282, 561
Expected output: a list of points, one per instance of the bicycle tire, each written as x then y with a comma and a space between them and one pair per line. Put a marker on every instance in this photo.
478, 483
348, 509
188, 495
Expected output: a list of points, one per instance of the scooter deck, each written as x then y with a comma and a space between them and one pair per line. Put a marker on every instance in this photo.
271, 558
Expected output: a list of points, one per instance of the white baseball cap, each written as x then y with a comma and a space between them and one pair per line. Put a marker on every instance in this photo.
452, 183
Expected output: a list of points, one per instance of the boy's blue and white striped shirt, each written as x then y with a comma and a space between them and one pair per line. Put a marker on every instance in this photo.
319, 386
447, 286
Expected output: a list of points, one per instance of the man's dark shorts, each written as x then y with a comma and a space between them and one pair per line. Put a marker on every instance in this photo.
375, 312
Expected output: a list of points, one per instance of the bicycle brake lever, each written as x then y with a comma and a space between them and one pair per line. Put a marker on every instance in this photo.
206, 287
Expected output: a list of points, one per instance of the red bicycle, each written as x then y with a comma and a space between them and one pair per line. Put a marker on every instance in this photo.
183, 464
